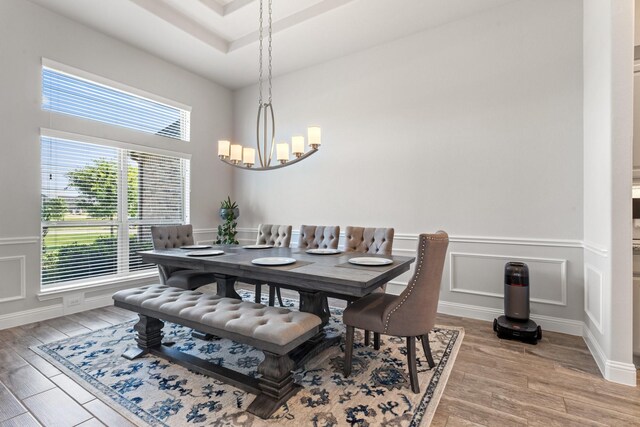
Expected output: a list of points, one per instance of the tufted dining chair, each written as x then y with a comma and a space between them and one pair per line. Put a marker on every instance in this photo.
369, 240
319, 237
278, 236
411, 314
175, 236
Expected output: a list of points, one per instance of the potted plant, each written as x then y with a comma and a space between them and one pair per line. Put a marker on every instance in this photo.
228, 208
229, 212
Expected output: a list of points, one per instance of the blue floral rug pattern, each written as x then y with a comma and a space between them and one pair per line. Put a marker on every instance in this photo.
152, 391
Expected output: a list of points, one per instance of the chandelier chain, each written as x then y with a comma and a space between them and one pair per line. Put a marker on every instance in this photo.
260, 55
270, 48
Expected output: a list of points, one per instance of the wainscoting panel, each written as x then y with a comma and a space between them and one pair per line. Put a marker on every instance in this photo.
483, 274
13, 274
593, 295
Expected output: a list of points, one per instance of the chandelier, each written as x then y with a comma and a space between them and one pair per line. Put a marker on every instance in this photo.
245, 157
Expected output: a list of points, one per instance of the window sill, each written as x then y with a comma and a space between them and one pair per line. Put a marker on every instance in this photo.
97, 285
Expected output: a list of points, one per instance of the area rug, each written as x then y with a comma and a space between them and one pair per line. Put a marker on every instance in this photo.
152, 391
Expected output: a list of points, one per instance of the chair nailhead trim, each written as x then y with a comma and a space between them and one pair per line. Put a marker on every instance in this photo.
411, 287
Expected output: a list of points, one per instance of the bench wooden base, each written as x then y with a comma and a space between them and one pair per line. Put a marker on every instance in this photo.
273, 388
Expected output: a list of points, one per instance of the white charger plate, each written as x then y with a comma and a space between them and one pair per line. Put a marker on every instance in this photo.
274, 260
257, 246
371, 261
205, 253
196, 247
323, 251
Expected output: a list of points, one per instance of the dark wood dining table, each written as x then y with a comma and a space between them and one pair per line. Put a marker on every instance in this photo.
314, 277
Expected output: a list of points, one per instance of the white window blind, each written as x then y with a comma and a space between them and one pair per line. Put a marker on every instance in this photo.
99, 203
66, 93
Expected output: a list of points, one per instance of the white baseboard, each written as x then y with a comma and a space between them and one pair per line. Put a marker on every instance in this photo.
24, 317
553, 324
11, 320
618, 372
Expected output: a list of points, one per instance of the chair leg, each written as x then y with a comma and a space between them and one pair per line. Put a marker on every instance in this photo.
411, 361
376, 340
348, 350
272, 295
258, 293
366, 338
427, 350
279, 296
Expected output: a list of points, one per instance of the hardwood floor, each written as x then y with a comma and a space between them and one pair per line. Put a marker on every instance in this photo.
493, 382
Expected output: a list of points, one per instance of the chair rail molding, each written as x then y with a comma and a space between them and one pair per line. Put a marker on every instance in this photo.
493, 240
22, 240
596, 249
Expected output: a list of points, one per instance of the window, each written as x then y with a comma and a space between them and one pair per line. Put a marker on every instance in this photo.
98, 206
69, 94
101, 197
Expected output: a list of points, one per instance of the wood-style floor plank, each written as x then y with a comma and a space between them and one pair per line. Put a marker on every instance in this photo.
43, 332
25, 381
24, 420
91, 423
107, 415
10, 406
78, 393
54, 408
89, 321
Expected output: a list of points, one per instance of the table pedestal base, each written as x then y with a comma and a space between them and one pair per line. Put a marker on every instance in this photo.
314, 346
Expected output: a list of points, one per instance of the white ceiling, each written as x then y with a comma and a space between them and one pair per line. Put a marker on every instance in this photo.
218, 38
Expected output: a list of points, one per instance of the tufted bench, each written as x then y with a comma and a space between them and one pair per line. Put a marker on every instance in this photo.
274, 330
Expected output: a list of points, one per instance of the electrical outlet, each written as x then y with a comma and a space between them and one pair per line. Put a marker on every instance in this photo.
73, 300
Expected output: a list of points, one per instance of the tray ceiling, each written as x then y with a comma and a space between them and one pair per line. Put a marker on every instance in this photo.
218, 38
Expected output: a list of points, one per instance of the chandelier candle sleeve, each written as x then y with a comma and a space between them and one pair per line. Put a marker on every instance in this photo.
223, 149
249, 156
282, 152
236, 153
297, 145
314, 137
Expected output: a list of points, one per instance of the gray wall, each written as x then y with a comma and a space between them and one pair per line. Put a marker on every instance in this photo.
28, 33
474, 127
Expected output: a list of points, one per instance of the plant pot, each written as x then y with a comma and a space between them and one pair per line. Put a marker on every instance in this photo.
227, 213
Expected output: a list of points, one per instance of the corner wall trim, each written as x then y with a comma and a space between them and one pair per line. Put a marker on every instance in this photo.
618, 372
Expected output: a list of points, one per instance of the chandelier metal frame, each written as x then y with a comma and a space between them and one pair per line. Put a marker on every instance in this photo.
264, 147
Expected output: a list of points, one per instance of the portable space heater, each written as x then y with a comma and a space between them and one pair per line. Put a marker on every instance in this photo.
515, 324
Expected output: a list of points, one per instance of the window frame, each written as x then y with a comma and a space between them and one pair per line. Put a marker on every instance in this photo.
123, 223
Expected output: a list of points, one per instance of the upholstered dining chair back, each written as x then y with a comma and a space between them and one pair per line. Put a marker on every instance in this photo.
413, 313
171, 236
276, 235
319, 237
369, 240
175, 236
